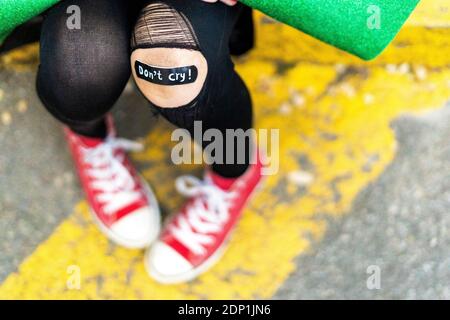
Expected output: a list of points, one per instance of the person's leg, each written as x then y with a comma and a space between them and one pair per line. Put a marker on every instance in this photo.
174, 33
84, 69
181, 63
243, 36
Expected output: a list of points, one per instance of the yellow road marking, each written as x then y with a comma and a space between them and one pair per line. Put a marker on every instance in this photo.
424, 38
334, 124
434, 13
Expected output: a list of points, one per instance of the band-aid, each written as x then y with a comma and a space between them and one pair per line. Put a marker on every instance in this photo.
166, 76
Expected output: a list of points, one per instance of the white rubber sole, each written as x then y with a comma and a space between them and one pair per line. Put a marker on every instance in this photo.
187, 276
126, 242
210, 262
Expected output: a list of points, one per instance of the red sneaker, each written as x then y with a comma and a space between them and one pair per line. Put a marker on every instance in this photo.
122, 203
195, 238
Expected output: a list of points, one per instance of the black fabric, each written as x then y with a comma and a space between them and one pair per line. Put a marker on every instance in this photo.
91, 129
159, 24
22, 35
243, 36
83, 72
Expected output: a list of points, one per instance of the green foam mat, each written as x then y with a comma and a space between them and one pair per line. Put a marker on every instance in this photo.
362, 27
15, 12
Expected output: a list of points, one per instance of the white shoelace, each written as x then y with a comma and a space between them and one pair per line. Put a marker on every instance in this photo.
207, 213
110, 176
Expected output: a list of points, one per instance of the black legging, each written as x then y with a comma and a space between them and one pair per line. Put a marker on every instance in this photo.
83, 72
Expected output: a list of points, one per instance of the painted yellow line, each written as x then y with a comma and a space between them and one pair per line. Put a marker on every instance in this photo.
335, 140
21, 60
338, 132
432, 13
424, 39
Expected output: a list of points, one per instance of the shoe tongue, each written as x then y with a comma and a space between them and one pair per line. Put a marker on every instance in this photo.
90, 142
221, 182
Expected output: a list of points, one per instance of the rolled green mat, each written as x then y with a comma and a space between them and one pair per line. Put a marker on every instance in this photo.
362, 27
15, 12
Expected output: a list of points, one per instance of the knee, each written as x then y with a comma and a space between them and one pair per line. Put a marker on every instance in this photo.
167, 63
78, 79
169, 77
73, 95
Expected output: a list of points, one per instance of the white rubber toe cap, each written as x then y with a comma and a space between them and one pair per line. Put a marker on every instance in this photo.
137, 229
166, 265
